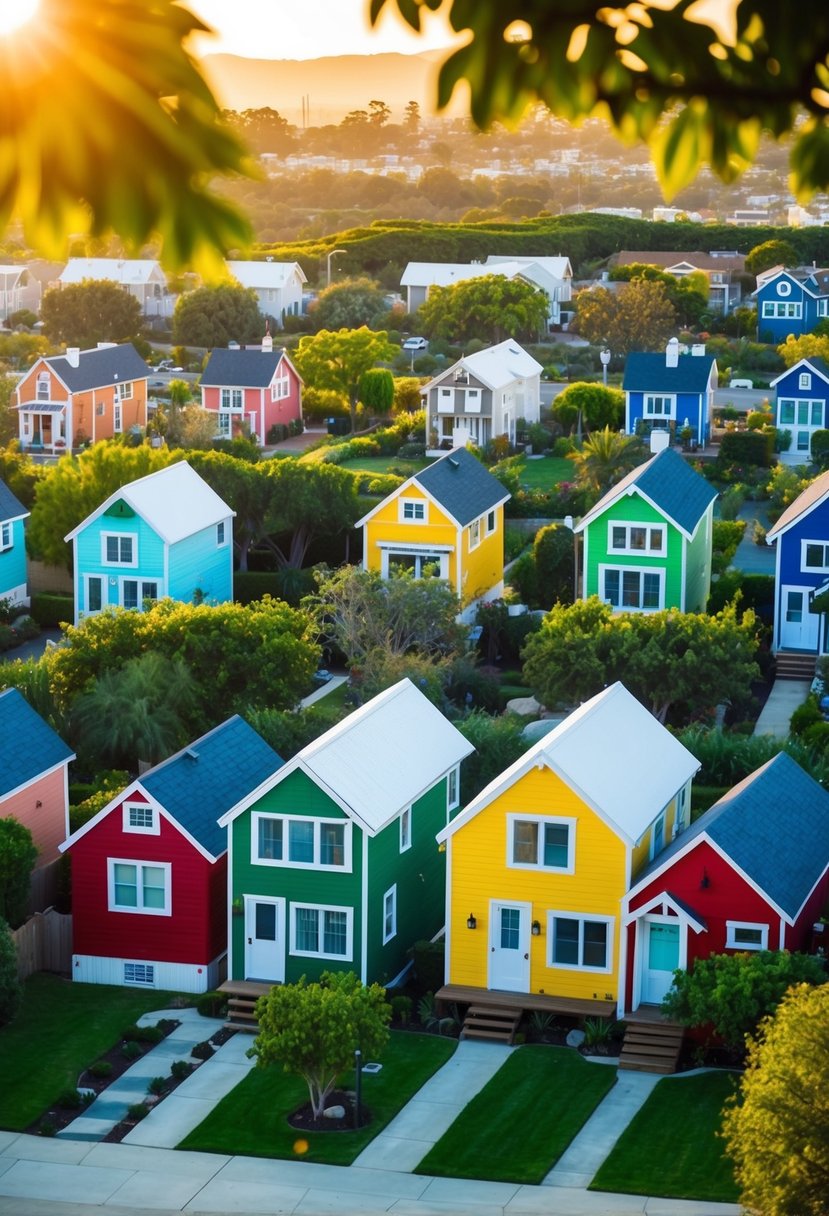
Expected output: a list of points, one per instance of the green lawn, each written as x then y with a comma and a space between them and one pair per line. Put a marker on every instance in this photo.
61, 1028
521, 1122
408, 1062
383, 464
671, 1148
546, 472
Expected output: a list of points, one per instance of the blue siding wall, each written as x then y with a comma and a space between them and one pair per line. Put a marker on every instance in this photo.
122, 520
777, 329
13, 561
199, 563
688, 405
812, 527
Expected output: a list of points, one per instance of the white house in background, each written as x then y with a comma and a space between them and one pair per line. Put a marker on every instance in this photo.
18, 289
483, 395
553, 275
141, 277
278, 286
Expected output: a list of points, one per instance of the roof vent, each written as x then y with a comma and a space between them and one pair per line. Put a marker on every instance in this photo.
456, 464
191, 752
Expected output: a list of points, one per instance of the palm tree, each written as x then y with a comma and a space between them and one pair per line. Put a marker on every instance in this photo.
605, 457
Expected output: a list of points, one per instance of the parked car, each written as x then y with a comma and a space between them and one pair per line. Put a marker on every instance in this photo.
415, 344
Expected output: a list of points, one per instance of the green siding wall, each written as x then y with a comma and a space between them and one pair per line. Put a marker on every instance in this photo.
698, 574
633, 509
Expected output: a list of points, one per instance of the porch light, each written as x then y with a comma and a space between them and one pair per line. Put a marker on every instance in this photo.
471, 922
536, 928
705, 881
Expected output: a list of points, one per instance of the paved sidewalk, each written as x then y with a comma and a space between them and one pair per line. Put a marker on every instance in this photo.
785, 697
322, 691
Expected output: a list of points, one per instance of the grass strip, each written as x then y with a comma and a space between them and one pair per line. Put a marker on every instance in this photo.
546, 473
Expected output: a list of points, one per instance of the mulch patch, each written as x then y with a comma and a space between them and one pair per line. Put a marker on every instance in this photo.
303, 1119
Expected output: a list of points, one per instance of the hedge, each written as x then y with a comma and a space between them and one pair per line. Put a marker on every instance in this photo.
747, 447
52, 609
250, 585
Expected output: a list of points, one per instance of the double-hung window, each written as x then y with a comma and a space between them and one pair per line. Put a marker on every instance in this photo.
6, 535
540, 842
579, 943
136, 593
474, 534
281, 388
647, 539
453, 796
405, 829
659, 406
139, 886
390, 914
322, 932
119, 549
305, 843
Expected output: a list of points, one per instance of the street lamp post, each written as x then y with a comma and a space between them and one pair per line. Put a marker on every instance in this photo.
604, 355
328, 264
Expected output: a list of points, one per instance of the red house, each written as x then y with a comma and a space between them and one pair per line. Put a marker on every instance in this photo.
259, 387
149, 871
752, 873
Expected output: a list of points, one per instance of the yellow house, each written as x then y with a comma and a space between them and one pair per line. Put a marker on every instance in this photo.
538, 863
447, 522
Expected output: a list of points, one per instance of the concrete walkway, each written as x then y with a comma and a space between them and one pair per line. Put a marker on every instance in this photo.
785, 697
750, 557
322, 691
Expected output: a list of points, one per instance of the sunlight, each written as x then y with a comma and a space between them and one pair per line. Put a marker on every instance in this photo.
15, 13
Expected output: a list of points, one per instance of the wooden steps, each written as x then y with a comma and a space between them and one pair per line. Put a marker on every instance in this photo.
651, 1046
795, 665
491, 1022
241, 1004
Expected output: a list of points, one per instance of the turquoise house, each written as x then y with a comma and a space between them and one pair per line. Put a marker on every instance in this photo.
13, 584
164, 535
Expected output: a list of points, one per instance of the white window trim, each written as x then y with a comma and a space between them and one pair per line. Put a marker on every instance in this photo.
321, 909
731, 944
225, 541
6, 530
640, 570
112, 906
87, 578
628, 549
227, 402
405, 829
390, 550
804, 380
493, 515
453, 777
141, 598
476, 530
414, 503
105, 536
824, 545
148, 970
117, 418
123, 392
155, 827
390, 897
648, 410
581, 917
256, 860
559, 820
784, 287
280, 388
653, 851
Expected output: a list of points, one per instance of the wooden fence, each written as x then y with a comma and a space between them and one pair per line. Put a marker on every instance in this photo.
45, 887
44, 943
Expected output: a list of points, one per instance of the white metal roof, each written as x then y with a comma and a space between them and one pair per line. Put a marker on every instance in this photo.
500, 365
611, 752
546, 272
125, 271
265, 274
174, 501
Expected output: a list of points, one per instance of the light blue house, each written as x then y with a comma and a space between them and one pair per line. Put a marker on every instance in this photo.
790, 302
166, 534
670, 391
801, 406
13, 585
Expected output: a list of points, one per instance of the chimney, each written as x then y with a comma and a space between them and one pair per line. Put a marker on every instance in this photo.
698, 348
73, 355
672, 353
267, 341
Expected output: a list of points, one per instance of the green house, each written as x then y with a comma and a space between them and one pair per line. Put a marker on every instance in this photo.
647, 542
332, 860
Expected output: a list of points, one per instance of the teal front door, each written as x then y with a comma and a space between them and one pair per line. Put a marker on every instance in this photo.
661, 960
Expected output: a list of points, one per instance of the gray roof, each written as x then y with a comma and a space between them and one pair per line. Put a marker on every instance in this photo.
28, 745
460, 484
774, 826
649, 372
251, 368
10, 507
670, 483
100, 367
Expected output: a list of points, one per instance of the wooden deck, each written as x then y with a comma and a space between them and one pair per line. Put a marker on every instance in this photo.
529, 1001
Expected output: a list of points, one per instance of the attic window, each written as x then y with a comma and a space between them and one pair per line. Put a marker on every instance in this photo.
141, 817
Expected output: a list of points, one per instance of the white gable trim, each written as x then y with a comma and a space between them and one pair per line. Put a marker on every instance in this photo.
795, 367
776, 531
118, 801
401, 490
594, 514
38, 777
662, 903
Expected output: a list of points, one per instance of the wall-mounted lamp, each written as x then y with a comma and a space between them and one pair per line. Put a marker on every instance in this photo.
705, 881
536, 928
38, 803
471, 922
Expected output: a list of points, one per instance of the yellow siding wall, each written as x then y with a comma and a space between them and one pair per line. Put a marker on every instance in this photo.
642, 851
386, 526
483, 567
479, 873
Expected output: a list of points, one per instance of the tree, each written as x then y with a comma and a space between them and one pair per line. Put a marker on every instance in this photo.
639, 316
349, 304
407, 394
771, 253
490, 307
307, 500
693, 93
734, 992
313, 1030
11, 991
412, 115
605, 457
498, 743
378, 113
597, 405
18, 854
66, 168
777, 1132
554, 557
807, 346
669, 660
8, 417
377, 390
214, 316
83, 314
244, 487
338, 360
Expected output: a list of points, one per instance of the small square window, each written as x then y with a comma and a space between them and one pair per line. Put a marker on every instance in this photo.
140, 817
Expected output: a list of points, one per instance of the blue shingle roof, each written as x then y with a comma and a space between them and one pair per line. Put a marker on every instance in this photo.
200, 783
670, 483
28, 745
248, 368
97, 368
650, 373
10, 507
462, 486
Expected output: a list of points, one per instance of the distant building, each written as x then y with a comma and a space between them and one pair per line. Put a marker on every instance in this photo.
278, 286
553, 275
723, 270
143, 278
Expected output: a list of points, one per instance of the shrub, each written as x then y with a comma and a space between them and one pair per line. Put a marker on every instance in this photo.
597, 1032
250, 585
401, 1009
212, 1004
564, 445
179, 1069
130, 1049
137, 1112
805, 716
70, 1099
157, 1085
380, 486
731, 501
202, 1051
755, 591
278, 433
412, 451
746, 447
52, 608
100, 1069
47, 1127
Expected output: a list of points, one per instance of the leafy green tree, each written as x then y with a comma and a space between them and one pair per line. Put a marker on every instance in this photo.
598, 406
377, 390
337, 360
707, 99
83, 314
777, 1131
807, 346
244, 487
688, 293
349, 304
489, 307
406, 394
639, 316
308, 500
771, 253
214, 316
263, 129
313, 1030
554, 557
412, 115
670, 659
11, 991
18, 854
606, 457
734, 992
9, 429
498, 743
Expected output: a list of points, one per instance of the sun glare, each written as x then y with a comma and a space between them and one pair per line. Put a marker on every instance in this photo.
15, 13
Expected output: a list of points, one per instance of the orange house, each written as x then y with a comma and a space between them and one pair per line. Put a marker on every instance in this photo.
84, 395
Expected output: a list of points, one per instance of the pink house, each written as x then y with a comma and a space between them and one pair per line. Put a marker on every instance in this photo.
34, 783
259, 387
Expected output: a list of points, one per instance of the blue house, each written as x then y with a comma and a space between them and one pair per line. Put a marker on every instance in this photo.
13, 584
166, 534
802, 570
670, 391
801, 406
790, 302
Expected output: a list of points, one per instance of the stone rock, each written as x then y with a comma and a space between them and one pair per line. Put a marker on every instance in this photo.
338, 1112
575, 1038
525, 706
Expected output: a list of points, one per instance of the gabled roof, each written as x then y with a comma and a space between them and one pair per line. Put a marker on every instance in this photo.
10, 507
126, 271
695, 258
458, 483
379, 759
265, 274
812, 496
556, 267
28, 745
100, 367
496, 367
545, 271
667, 482
645, 372
197, 785
243, 368
814, 364
795, 276
613, 754
174, 501
773, 826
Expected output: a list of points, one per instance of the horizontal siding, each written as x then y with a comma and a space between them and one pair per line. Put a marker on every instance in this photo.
88, 547
483, 567
634, 509
698, 566
167, 977
197, 562
385, 526
42, 808
13, 562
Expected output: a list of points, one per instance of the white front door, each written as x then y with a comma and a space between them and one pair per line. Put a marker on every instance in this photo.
264, 938
509, 946
798, 626
661, 960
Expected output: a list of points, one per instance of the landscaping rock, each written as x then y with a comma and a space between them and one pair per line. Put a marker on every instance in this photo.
575, 1038
335, 1112
525, 706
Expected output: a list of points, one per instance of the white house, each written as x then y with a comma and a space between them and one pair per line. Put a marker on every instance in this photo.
18, 289
278, 286
141, 277
553, 275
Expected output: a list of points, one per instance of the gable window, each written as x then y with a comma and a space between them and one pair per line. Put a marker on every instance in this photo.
637, 538
6, 536
453, 796
474, 534
44, 386
141, 817
119, 549
658, 836
632, 590
390, 914
804, 380
539, 842
743, 935
412, 511
657, 405
281, 388
324, 932
139, 886
221, 534
579, 942
136, 594
405, 829
814, 555
304, 843
491, 521
123, 392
